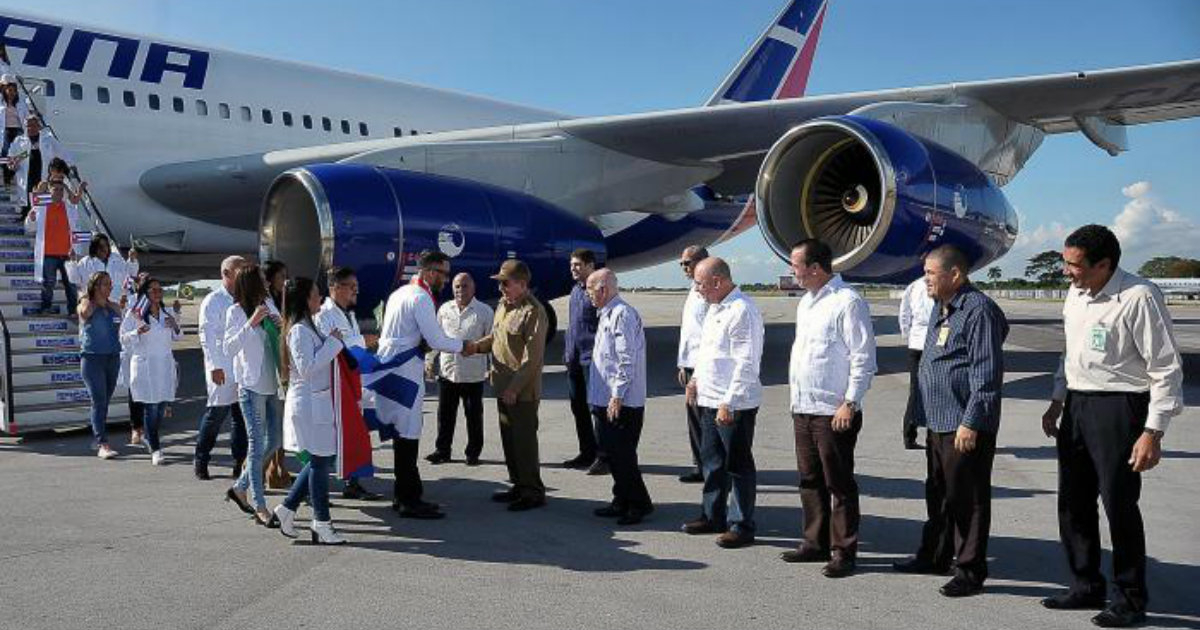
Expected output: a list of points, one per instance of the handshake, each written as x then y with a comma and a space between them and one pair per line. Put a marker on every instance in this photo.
469, 349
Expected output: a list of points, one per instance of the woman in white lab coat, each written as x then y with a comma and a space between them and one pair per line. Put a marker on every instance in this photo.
147, 333
14, 112
308, 414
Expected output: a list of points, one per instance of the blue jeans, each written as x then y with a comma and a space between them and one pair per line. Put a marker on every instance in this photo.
727, 460
313, 483
100, 377
51, 266
262, 426
152, 417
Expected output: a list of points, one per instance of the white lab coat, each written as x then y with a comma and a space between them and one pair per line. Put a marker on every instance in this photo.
212, 342
247, 346
35, 224
119, 269
21, 108
331, 317
309, 421
50, 148
152, 372
410, 316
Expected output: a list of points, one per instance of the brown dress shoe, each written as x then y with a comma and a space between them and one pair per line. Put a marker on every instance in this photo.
805, 553
841, 565
734, 539
702, 526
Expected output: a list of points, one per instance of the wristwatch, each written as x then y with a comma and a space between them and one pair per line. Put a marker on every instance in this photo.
852, 405
1154, 433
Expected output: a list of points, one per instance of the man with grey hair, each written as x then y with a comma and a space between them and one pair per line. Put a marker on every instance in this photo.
617, 395
218, 375
694, 309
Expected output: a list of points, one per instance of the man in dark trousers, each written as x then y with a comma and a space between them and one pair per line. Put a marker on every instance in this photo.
961, 374
1118, 386
577, 355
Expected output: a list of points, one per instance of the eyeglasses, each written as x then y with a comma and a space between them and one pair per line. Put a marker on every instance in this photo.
686, 263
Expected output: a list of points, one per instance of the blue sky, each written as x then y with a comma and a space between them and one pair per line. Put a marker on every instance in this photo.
619, 56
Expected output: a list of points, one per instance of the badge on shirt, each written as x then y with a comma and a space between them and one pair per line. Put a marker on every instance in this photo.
943, 336
1098, 338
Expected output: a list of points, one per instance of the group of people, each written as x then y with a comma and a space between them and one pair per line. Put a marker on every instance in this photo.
1117, 388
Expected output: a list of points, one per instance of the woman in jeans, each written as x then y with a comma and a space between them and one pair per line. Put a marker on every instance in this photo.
100, 354
147, 333
249, 340
309, 426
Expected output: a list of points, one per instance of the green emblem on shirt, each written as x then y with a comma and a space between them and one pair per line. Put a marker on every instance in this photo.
1099, 338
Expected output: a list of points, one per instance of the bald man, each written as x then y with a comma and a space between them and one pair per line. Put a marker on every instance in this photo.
218, 376
459, 377
617, 395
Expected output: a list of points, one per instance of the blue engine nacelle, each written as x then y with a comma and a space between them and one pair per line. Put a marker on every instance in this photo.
880, 197
378, 220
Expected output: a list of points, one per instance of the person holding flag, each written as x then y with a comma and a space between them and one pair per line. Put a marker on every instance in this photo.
310, 415
31, 154
101, 257
409, 324
55, 218
147, 332
337, 314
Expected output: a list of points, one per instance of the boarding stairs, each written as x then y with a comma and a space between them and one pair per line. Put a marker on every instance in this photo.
40, 383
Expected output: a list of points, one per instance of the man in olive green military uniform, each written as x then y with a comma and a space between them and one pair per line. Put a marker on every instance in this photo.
518, 345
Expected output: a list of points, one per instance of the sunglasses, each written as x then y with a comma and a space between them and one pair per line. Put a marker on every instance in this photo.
686, 263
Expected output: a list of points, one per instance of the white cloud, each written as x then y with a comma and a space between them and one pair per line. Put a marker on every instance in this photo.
1136, 189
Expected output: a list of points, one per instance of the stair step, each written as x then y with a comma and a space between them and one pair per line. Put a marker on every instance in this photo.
60, 416
22, 282
44, 398
45, 343
38, 325
47, 359
17, 311
12, 230
31, 296
67, 376
16, 268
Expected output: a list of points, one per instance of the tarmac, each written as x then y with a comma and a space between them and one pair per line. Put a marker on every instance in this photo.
87, 543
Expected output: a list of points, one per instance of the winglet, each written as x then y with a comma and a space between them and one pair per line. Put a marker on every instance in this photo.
778, 64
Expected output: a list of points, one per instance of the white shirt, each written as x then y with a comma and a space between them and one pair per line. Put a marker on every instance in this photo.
331, 317
212, 342
833, 355
50, 148
618, 368
694, 309
1121, 340
730, 354
247, 345
117, 268
915, 309
469, 324
152, 373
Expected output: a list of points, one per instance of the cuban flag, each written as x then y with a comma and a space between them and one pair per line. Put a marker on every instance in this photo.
389, 387
354, 440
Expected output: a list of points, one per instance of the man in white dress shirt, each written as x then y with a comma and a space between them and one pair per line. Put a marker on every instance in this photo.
459, 377
409, 319
617, 395
726, 387
218, 376
916, 307
337, 313
694, 309
832, 363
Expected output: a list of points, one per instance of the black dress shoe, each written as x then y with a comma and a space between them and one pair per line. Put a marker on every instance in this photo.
505, 496
232, 495
472, 461
609, 511
355, 491
693, 477
1072, 600
920, 566
201, 472
702, 526
579, 462
525, 503
805, 553
420, 511
1119, 616
598, 467
840, 566
961, 587
437, 457
633, 516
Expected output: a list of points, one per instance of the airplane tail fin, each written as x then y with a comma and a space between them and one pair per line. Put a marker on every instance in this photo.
778, 64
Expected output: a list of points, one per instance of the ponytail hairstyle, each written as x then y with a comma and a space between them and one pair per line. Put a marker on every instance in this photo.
295, 311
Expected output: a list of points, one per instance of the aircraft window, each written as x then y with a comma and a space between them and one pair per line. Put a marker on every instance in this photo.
50, 89
307, 120
267, 116
346, 127
362, 129
76, 92
412, 132
201, 107
223, 110
397, 132
287, 119
130, 99
102, 95
246, 115
177, 104
326, 124
154, 102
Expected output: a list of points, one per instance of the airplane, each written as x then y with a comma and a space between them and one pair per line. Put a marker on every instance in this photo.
195, 153
1186, 287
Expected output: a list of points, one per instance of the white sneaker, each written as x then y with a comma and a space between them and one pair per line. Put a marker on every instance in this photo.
323, 533
105, 452
287, 521
156, 458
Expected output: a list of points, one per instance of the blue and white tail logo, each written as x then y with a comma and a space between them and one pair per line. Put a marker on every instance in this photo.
778, 65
